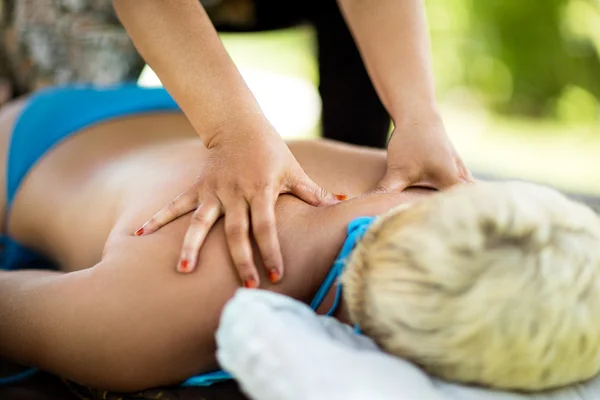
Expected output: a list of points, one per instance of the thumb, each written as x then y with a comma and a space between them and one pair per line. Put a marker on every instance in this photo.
467, 176
305, 189
446, 179
391, 182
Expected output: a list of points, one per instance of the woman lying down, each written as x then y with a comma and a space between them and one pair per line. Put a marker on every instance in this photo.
494, 284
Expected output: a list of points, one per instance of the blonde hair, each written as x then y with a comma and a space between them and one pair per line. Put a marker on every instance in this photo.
496, 284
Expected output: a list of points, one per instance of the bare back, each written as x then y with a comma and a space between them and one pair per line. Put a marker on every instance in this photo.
80, 205
118, 173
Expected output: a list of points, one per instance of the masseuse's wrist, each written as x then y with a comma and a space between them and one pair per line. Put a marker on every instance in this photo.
416, 114
413, 106
246, 127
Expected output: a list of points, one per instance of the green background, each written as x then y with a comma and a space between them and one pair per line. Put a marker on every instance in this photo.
518, 82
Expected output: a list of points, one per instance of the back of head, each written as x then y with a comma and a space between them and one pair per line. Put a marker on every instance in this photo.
495, 284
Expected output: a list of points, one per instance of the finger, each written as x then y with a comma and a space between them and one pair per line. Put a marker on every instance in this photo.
445, 178
237, 233
468, 176
391, 182
202, 221
177, 207
305, 189
264, 228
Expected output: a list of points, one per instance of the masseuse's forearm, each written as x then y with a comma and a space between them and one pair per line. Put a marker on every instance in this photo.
394, 43
177, 39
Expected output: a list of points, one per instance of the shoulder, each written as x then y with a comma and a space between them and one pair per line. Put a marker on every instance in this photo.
332, 147
158, 253
339, 167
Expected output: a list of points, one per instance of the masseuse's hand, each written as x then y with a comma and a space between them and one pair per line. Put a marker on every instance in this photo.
244, 174
393, 39
420, 153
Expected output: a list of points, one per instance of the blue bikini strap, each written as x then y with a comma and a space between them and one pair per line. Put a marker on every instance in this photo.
356, 230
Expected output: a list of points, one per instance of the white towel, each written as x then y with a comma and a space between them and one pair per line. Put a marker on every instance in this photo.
279, 349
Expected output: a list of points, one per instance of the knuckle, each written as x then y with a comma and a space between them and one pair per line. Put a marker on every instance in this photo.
238, 189
236, 229
321, 193
189, 249
262, 186
212, 201
171, 207
243, 264
199, 219
270, 260
245, 268
380, 189
264, 227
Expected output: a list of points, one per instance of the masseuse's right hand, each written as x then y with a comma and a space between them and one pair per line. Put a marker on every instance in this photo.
244, 174
248, 163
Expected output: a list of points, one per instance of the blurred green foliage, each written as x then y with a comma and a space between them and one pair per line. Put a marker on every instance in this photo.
521, 57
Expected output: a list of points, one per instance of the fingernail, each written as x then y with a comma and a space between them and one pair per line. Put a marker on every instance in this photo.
184, 265
274, 276
139, 232
341, 197
250, 283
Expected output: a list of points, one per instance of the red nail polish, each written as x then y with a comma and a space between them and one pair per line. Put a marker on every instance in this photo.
139, 232
341, 197
274, 276
250, 283
183, 265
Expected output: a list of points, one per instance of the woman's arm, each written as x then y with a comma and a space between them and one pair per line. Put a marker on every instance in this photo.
96, 330
125, 324
177, 39
393, 39
248, 164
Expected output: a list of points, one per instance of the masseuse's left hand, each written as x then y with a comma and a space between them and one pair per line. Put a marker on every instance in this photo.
420, 153
393, 40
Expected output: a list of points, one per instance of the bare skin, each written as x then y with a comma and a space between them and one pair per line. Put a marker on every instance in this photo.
118, 316
248, 164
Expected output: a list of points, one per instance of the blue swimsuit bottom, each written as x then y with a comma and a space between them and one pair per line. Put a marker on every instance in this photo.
55, 114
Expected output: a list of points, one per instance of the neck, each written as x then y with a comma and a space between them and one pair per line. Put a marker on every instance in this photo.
328, 231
